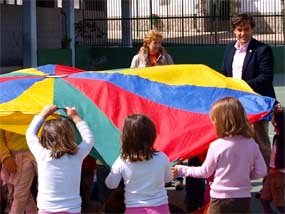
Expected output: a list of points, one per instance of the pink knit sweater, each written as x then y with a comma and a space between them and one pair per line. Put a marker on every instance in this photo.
234, 161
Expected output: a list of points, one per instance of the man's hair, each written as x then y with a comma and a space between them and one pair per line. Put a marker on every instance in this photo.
58, 137
230, 118
242, 19
137, 138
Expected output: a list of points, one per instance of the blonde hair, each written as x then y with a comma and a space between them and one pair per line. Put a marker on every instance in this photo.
150, 36
58, 137
230, 118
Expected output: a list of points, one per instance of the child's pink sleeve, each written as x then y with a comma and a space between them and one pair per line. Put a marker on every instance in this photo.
259, 169
204, 171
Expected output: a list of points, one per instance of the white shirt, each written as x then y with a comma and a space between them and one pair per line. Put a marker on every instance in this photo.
144, 180
238, 60
59, 179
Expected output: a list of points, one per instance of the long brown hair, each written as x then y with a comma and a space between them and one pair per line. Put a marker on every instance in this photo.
58, 137
137, 138
230, 118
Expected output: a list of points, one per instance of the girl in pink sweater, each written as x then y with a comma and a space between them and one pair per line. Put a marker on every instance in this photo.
233, 159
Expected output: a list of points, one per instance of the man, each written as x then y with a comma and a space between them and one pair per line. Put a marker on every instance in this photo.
252, 61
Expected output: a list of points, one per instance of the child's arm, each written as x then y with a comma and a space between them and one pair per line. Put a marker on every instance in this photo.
86, 134
259, 169
114, 178
204, 171
33, 129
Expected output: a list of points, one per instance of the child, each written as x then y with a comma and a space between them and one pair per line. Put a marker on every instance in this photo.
59, 159
18, 171
234, 159
273, 188
144, 170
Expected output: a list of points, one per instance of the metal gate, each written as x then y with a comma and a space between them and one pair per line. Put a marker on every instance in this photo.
182, 22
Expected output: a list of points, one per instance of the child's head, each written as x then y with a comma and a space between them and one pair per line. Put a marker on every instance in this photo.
58, 137
278, 120
137, 138
230, 118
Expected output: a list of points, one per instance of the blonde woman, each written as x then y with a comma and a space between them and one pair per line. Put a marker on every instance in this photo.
152, 52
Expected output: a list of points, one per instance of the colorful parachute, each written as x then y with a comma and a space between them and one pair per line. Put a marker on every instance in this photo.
177, 98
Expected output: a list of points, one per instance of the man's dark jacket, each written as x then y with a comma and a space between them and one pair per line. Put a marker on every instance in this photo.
257, 68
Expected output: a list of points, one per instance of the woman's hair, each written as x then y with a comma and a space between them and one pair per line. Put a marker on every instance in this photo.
230, 118
150, 36
241, 19
58, 137
137, 138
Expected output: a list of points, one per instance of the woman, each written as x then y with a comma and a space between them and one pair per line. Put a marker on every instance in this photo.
151, 53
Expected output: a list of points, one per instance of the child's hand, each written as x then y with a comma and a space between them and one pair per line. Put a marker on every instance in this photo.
10, 164
48, 110
73, 114
174, 171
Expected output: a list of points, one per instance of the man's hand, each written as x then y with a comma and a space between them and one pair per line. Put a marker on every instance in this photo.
10, 164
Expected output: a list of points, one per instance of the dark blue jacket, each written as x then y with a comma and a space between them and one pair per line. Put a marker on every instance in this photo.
257, 68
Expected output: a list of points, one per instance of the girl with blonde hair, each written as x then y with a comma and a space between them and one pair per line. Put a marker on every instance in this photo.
233, 159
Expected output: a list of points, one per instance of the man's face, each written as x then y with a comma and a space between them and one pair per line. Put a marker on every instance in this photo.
243, 33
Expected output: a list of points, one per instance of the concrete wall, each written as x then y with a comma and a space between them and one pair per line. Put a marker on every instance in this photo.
49, 32
11, 19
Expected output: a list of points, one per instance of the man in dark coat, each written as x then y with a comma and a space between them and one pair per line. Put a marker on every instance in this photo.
252, 61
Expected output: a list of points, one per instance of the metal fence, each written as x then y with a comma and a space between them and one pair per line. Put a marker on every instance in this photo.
182, 22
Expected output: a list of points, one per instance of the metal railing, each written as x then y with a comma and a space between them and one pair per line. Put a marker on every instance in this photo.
182, 22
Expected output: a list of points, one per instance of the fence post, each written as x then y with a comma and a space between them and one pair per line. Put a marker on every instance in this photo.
30, 33
68, 8
126, 23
